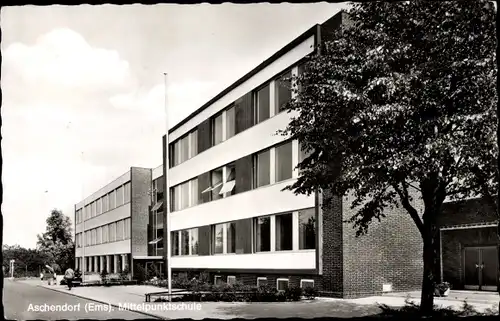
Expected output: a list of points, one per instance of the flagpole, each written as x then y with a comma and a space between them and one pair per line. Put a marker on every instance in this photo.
167, 192
83, 214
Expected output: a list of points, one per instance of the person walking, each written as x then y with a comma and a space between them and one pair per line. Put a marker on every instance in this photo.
69, 275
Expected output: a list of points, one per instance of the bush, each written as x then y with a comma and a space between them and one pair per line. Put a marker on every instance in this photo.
104, 277
293, 293
412, 309
310, 293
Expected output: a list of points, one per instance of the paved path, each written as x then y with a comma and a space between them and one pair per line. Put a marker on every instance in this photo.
21, 298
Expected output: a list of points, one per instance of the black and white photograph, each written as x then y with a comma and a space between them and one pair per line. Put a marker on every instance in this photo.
250, 160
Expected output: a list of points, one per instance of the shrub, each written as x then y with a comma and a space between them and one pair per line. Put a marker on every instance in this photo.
293, 293
104, 277
310, 293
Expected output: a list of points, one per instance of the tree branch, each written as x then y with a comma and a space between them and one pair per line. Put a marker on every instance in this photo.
403, 195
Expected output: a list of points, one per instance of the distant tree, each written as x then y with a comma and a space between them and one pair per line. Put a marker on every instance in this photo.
398, 105
57, 243
28, 262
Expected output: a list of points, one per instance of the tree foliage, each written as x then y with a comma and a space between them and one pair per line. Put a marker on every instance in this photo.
57, 243
401, 103
28, 262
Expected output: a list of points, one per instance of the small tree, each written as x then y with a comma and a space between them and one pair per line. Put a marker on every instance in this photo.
401, 104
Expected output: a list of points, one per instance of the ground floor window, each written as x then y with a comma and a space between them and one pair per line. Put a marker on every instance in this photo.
231, 279
282, 284
305, 283
261, 281
218, 280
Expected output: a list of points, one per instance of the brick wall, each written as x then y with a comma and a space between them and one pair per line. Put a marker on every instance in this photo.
140, 202
470, 211
390, 253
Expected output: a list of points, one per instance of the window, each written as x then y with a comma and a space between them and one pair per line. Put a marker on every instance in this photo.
126, 193
175, 243
230, 183
119, 196
184, 149
306, 283
184, 195
93, 209
126, 227
159, 220
301, 69
261, 281
193, 147
263, 234
99, 235
112, 200
119, 230
175, 198
87, 238
230, 122
231, 279
282, 284
216, 183
231, 237
94, 236
307, 229
176, 152
283, 165
283, 91
193, 243
112, 232
105, 203
262, 168
303, 154
105, 234
218, 238
99, 206
185, 242
284, 229
159, 234
217, 130
262, 104
218, 280
195, 194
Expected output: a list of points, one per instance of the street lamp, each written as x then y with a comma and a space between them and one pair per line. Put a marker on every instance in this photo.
12, 268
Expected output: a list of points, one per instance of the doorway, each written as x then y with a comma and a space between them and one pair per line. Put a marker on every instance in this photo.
481, 268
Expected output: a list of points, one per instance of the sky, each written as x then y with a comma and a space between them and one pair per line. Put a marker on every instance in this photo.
83, 89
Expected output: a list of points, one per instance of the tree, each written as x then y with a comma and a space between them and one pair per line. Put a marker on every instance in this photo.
56, 243
27, 261
400, 105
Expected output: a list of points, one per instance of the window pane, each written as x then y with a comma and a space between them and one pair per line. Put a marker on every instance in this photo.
217, 130
230, 122
175, 243
301, 70
194, 241
119, 230
218, 238
231, 237
216, 180
284, 232
307, 229
282, 285
112, 200
105, 203
185, 195
230, 176
195, 193
126, 193
159, 233
184, 149
283, 165
159, 219
194, 144
177, 152
93, 209
119, 196
262, 104
302, 154
185, 242
99, 206
263, 234
177, 198
263, 173
112, 232
105, 234
283, 91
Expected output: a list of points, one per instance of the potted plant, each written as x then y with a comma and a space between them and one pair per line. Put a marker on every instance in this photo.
442, 289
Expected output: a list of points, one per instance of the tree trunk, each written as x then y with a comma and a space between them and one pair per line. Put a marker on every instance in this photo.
430, 277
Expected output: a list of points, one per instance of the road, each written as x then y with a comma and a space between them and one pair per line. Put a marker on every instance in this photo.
22, 299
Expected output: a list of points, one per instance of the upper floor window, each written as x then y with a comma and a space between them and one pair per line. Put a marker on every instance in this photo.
218, 238
93, 209
230, 122
262, 106
126, 192
307, 229
284, 231
303, 154
262, 172
105, 203
230, 181
283, 166
216, 129
283, 91
216, 183
262, 234
119, 196
99, 206
112, 200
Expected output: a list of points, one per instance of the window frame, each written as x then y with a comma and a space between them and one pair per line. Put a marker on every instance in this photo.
212, 128
289, 70
217, 277
306, 280
256, 102
231, 277
282, 279
261, 278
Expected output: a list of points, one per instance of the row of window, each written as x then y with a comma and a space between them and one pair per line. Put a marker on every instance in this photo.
112, 232
251, 235
223, 179
281, 283
112, 200
187, 146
